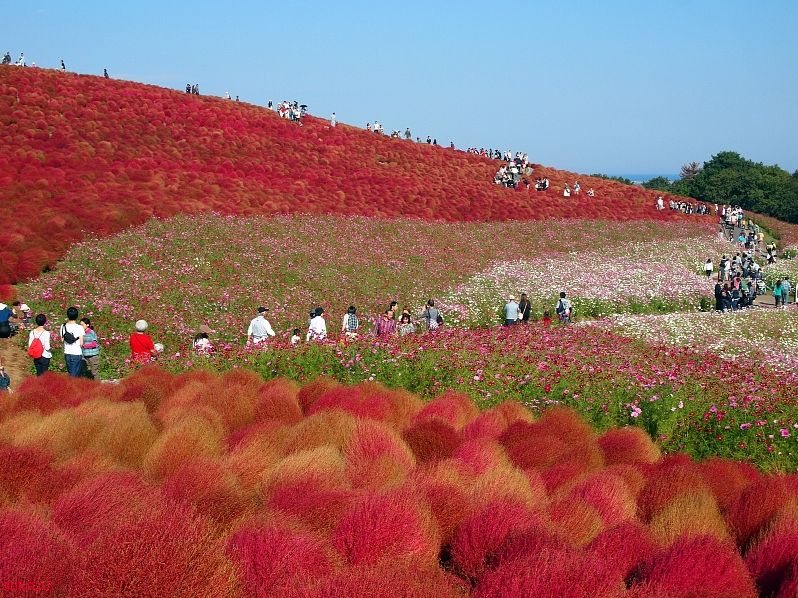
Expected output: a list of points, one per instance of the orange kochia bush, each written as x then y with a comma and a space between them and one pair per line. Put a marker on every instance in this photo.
81, 153
226, 484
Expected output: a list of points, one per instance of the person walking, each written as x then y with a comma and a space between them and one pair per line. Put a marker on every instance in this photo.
260, 329
39, 345
709, 267
786, 287
333, 121
777, 292
91, 349
72, 335
510, 312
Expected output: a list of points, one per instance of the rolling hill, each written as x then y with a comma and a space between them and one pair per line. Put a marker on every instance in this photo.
84, 154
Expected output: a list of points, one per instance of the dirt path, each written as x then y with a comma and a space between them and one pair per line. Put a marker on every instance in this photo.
15, 360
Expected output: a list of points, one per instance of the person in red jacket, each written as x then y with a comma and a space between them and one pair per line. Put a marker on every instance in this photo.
142, 349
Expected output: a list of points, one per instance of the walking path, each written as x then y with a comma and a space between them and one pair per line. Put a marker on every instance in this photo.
15, 360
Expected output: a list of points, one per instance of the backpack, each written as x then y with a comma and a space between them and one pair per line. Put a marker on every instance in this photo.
36, 349
68, 337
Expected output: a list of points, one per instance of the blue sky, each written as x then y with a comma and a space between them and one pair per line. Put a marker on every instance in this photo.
615, 86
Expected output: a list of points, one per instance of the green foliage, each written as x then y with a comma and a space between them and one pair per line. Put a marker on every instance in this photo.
659, 183
730, 178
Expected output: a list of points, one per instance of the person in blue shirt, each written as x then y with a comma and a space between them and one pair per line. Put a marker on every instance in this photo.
7, 329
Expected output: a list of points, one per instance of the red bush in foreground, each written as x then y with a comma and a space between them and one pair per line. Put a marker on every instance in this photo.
35, 558
380, 498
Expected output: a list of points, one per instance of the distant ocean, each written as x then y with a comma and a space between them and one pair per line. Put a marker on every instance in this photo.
642, 178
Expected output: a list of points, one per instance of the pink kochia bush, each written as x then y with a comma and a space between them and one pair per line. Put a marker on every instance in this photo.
329, 490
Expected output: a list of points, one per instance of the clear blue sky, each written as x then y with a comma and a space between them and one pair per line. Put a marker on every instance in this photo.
635, 86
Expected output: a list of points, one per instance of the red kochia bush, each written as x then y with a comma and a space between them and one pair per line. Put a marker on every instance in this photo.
387, 525
310, 503
166, 547
772, 559
431, 440
97, 503
554, 573
389, 579
279, 400
210, 487
35, 558
699, 566
624, 547
727, 479
452, 408
313, 390
28, 474
479, 537
51, 392
628, 446
278, 562
757, 506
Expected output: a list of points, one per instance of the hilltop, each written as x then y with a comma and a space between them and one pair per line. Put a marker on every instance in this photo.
85, 154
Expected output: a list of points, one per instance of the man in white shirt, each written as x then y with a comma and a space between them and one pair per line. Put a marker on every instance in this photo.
259, 328
72, 335
317, 330
332, 120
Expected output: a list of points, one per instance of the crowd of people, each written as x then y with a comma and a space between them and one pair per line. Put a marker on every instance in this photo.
684, 206
519, 311
740, 278
515, 172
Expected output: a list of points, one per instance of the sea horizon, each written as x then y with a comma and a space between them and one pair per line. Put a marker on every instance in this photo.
643, 177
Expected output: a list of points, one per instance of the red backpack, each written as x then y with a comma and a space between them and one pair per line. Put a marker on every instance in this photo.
36, 348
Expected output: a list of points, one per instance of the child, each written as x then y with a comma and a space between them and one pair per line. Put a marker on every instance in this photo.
546, 319
295, 338
5, 381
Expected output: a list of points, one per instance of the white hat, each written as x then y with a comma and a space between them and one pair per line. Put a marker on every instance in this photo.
141, 325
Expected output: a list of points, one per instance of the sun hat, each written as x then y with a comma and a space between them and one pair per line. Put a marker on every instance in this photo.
141, 325
205, 329
262, 309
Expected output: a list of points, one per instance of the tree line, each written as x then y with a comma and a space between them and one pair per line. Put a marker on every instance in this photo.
728, 178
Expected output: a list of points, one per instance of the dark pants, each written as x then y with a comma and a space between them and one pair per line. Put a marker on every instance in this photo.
74, 364
508, 322
42, 364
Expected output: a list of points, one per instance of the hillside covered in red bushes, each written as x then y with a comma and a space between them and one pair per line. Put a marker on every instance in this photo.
81, 153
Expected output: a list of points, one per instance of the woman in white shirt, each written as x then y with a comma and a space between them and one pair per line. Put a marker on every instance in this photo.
42, 363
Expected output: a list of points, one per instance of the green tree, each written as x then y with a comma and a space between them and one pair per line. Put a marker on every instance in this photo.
660, 183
